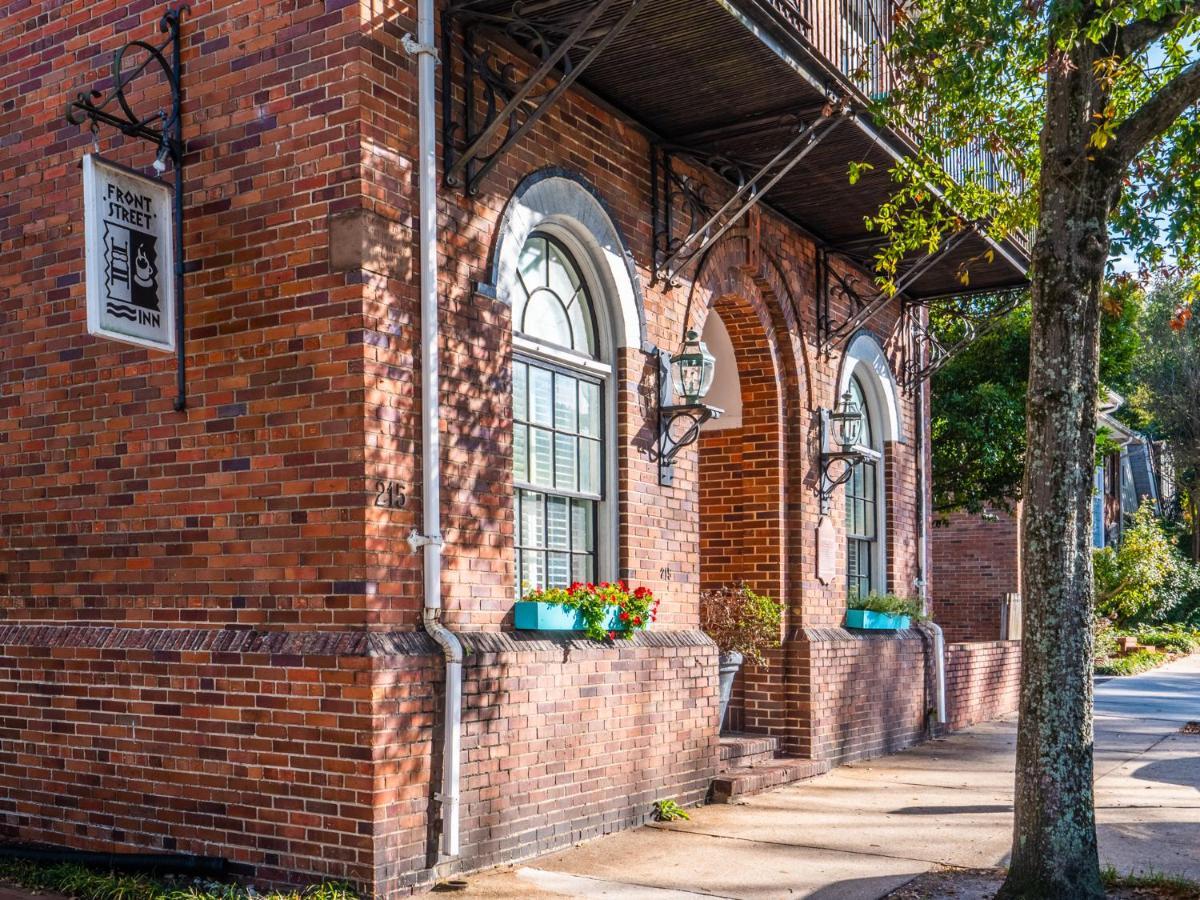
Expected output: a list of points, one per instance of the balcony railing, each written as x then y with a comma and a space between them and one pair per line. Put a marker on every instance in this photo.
852, 36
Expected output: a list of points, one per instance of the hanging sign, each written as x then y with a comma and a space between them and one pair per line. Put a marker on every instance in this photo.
130, 284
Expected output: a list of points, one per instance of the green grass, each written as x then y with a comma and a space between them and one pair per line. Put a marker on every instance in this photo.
1135, 662
1163, 885
78, 881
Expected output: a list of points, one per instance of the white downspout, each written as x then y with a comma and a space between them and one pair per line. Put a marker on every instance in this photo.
431, 468
939, 638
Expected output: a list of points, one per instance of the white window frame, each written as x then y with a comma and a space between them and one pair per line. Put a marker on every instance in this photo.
866, 360
602, 367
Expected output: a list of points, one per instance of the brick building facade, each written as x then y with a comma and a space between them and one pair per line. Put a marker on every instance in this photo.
211, 637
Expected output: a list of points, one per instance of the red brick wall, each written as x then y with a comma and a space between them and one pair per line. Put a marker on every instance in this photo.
255, 507
976, 561
983, 681
303, 756
870, 694
248, 507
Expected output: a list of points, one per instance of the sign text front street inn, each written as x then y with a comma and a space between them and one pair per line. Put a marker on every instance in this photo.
133, 224
127, 222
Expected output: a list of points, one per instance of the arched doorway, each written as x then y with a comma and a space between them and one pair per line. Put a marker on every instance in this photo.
742, 477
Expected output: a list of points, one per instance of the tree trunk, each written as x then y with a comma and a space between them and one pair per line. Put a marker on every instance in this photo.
1194, 498
1054, 836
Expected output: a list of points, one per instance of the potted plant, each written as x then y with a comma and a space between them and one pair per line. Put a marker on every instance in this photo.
882, 612
743, 624
605, 610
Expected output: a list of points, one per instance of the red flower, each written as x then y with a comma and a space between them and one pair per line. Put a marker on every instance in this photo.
612, 635
623, 585
575, 585
624, 617
590, 586
637, 620
641, 592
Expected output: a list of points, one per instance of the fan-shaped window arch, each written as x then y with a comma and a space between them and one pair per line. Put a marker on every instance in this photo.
552, 301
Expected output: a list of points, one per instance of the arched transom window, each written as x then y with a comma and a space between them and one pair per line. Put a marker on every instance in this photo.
552, 302
559, 420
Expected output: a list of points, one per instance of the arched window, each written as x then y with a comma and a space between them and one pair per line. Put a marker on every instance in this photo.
862, 508
867, 375
560, 426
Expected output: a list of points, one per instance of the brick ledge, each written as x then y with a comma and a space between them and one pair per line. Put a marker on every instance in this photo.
832, 635
321, 643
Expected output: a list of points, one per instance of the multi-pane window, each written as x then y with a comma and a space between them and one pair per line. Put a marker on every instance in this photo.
862, 510
558, 423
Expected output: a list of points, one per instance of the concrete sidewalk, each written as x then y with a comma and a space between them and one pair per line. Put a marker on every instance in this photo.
867, 828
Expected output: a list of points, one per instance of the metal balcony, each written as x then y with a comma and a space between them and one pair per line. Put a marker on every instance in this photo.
733, 84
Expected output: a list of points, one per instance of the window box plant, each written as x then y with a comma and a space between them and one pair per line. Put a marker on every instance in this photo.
882, 612
742, 624
608, 610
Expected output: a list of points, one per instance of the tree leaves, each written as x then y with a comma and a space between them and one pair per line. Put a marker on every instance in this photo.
973, 85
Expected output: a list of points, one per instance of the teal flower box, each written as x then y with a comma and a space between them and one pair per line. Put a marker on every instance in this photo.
529, 615
875, 621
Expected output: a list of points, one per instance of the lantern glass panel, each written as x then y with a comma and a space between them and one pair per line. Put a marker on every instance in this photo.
847, 422
692, 369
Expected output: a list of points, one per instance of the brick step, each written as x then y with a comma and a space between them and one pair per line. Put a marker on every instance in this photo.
741, 781
747, 750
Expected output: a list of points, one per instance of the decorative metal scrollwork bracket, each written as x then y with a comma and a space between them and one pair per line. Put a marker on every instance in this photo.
678, 424
510, 108
860, 299
704, 225
974, 316
855, 294
162, 128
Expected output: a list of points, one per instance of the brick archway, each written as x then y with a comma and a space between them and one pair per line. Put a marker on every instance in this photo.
751, 475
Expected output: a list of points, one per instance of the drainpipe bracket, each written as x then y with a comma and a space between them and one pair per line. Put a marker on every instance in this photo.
416, 540
413, 47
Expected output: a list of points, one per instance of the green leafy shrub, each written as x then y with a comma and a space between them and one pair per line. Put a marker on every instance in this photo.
1135, 662
1145, 578
889, 604
1171, 638
741, 621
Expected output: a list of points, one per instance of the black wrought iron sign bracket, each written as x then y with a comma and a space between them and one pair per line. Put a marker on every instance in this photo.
677, 199
478, 129
971, 316
678, 424
162, 127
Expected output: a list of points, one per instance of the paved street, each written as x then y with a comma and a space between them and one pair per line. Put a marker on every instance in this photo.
865, 829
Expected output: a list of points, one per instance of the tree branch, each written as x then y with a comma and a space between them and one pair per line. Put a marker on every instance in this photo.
1137, 36
1156, 115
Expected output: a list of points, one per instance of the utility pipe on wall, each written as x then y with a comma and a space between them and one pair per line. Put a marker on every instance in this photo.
431, 467
939, 638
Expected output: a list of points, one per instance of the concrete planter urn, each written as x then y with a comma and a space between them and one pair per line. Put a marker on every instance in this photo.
728, 664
